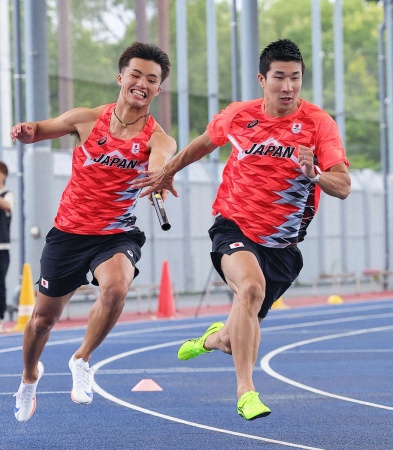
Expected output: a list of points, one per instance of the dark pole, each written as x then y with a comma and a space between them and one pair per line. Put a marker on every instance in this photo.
140, 16
164, 99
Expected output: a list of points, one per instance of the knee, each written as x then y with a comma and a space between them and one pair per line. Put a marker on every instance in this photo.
42, 323
114, 296
252, 293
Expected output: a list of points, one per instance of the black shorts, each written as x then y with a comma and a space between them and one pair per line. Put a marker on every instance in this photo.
67, 258
280, 266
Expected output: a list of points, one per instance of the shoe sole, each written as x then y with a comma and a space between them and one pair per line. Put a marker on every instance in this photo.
80, 403
264, 414
34, 407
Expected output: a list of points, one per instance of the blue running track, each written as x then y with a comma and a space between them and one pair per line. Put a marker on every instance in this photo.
326, 372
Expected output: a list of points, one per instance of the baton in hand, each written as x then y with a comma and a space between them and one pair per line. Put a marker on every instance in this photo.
160, 210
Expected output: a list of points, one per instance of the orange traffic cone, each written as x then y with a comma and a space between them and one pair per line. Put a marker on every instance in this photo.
166, 304
26, 299
279, 304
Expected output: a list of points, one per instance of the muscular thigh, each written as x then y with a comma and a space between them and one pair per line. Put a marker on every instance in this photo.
115, 271
242, 269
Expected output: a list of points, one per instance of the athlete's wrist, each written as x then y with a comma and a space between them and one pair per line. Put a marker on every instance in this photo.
165, 172
317, 175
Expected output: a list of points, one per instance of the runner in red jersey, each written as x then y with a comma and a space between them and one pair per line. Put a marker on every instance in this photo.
102, 169
284, 152
94, 229
263, 189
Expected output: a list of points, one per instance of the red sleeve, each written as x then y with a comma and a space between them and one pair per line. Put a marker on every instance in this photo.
329, 148
218, 128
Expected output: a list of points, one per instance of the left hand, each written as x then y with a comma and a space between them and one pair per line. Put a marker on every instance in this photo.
306, 161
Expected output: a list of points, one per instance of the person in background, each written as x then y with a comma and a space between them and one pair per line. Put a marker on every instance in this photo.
6, 206
285, 151
94, 229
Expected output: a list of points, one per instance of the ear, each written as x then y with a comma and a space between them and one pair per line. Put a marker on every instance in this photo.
119, 79
158, 91
261, 80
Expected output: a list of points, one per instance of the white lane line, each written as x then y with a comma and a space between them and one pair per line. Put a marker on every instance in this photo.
325, 322
121, 402
265, 365
327, 310
39, 393
201, 324
115, 334
168, 370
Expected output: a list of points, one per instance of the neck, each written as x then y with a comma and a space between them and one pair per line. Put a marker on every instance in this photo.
276, 114
124, 123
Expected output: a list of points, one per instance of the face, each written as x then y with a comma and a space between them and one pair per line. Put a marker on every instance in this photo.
3, 177
282, 87
140, 82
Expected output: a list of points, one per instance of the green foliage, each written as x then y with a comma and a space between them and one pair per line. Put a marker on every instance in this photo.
101, 29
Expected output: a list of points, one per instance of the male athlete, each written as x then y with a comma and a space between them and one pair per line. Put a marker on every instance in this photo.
285, 150
94, 228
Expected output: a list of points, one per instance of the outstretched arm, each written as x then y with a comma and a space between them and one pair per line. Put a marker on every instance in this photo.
162, 178
73, 121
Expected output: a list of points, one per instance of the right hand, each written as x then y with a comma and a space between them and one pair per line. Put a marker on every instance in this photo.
23, 132
155, 181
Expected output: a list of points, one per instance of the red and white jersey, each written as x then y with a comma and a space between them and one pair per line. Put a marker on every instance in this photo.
263, 188
98, 198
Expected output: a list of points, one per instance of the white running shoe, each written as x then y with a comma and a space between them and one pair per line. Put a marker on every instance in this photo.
82, 392
25, 398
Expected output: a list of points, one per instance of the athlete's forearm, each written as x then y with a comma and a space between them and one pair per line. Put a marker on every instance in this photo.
336, 184
194, 151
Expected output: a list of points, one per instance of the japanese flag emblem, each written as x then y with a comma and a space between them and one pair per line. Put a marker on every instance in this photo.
44, 283
236, 245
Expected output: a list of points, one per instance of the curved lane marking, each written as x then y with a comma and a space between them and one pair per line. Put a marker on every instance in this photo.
265, 365
121, 402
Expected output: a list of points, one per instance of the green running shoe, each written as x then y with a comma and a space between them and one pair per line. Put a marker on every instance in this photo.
250, 406
194, 347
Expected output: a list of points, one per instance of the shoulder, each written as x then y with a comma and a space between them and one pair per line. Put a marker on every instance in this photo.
8, 196
315, 111
240, 107
160, 135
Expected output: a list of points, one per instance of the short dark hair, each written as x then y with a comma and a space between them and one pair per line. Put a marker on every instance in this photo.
148, 52
3, 168
281, 50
